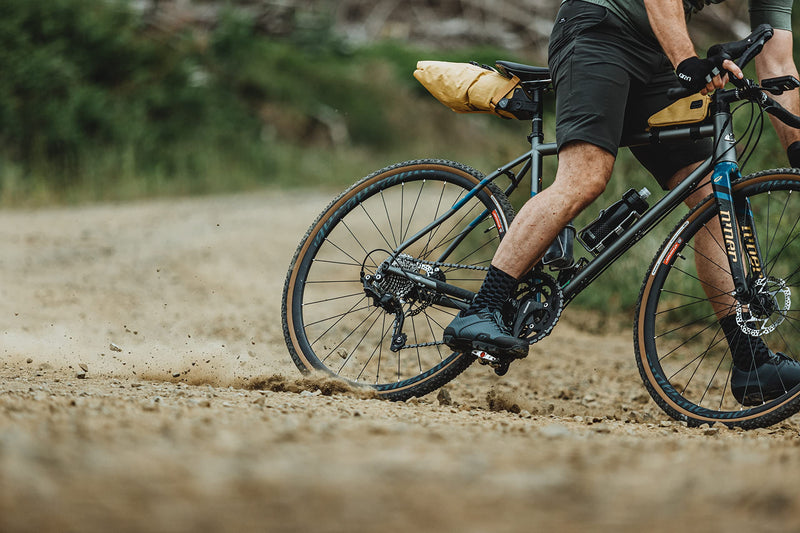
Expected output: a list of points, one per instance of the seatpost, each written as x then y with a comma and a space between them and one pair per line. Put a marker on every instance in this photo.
536, 138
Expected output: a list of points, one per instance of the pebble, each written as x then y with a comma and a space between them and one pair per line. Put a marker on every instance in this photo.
444, 397
114, 348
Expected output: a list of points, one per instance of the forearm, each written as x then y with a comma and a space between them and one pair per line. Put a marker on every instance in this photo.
776, 60
669, 25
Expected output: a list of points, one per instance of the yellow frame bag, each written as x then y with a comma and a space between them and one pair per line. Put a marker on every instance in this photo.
466, 87
687, 110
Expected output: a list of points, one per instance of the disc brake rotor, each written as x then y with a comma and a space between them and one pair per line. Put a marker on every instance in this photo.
769, 313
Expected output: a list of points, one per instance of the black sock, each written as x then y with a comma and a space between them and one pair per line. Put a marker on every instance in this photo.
747, 351
496, 289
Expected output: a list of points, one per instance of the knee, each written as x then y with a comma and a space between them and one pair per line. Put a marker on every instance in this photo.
580, 196
594, 187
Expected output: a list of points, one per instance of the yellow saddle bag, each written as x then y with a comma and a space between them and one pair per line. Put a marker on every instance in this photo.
687, 110
466, 87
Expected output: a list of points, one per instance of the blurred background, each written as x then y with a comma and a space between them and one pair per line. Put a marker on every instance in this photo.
116, 100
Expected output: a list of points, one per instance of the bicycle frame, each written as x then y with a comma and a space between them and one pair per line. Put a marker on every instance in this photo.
725, 170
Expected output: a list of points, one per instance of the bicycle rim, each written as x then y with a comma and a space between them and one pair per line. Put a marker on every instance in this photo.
687, 363
331, 324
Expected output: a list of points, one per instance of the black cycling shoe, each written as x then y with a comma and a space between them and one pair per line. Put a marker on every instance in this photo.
765, 382
484, 331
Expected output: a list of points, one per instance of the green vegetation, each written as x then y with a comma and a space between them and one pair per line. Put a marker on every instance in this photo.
97, 105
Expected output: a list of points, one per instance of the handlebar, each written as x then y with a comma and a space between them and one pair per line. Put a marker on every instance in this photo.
741, 52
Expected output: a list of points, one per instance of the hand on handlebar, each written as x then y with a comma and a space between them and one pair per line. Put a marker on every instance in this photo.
706, 75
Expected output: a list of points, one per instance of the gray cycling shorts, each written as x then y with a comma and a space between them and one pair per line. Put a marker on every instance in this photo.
608, 82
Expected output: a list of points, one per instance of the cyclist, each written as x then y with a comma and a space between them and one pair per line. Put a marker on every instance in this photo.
612, 62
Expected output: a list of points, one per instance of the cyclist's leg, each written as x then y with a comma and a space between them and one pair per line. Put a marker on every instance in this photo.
589, 90
582, 175
593, 63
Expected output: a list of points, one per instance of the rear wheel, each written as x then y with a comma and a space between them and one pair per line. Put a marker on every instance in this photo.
681, 350
335, 323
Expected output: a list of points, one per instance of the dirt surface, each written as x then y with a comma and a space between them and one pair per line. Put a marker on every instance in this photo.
132, 337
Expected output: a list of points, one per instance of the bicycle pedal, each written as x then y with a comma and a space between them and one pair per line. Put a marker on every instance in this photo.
500, 366
486, 358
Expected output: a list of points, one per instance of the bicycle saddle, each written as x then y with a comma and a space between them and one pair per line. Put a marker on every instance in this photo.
523, 72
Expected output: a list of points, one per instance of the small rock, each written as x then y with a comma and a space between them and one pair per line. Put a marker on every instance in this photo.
84, 367
176, 374
81, 375
114, 348
444, 397
711, 431
29, 361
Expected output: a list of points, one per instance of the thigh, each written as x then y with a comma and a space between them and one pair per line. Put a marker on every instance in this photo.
593, 59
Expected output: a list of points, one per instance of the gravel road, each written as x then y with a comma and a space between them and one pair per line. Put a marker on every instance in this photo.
145, 386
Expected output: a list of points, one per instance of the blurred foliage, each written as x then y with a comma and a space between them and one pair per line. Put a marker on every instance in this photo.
95, 104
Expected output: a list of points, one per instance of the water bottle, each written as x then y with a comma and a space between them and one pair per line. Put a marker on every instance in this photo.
614, 220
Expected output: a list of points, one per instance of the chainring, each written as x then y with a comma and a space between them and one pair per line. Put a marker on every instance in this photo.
538, 306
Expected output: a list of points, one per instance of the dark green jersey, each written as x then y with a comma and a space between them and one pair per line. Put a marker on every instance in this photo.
777, 13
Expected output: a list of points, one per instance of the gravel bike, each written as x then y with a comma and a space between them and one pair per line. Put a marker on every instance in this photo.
393, 258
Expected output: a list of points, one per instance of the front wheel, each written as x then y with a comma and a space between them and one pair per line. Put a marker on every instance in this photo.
681, 351
347, 308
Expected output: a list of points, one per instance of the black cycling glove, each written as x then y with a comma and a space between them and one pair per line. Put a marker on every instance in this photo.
794, 154
694, 73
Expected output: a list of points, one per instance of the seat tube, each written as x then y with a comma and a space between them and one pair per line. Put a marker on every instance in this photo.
726, 170
536, 139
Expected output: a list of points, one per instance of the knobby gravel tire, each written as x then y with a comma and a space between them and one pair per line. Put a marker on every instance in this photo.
681, 352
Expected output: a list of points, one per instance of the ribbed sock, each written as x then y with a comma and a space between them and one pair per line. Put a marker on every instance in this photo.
747, 351
496, 289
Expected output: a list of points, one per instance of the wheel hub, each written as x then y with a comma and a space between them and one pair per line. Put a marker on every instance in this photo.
768, 308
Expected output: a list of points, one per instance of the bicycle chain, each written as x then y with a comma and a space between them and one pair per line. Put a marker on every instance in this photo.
448, 265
